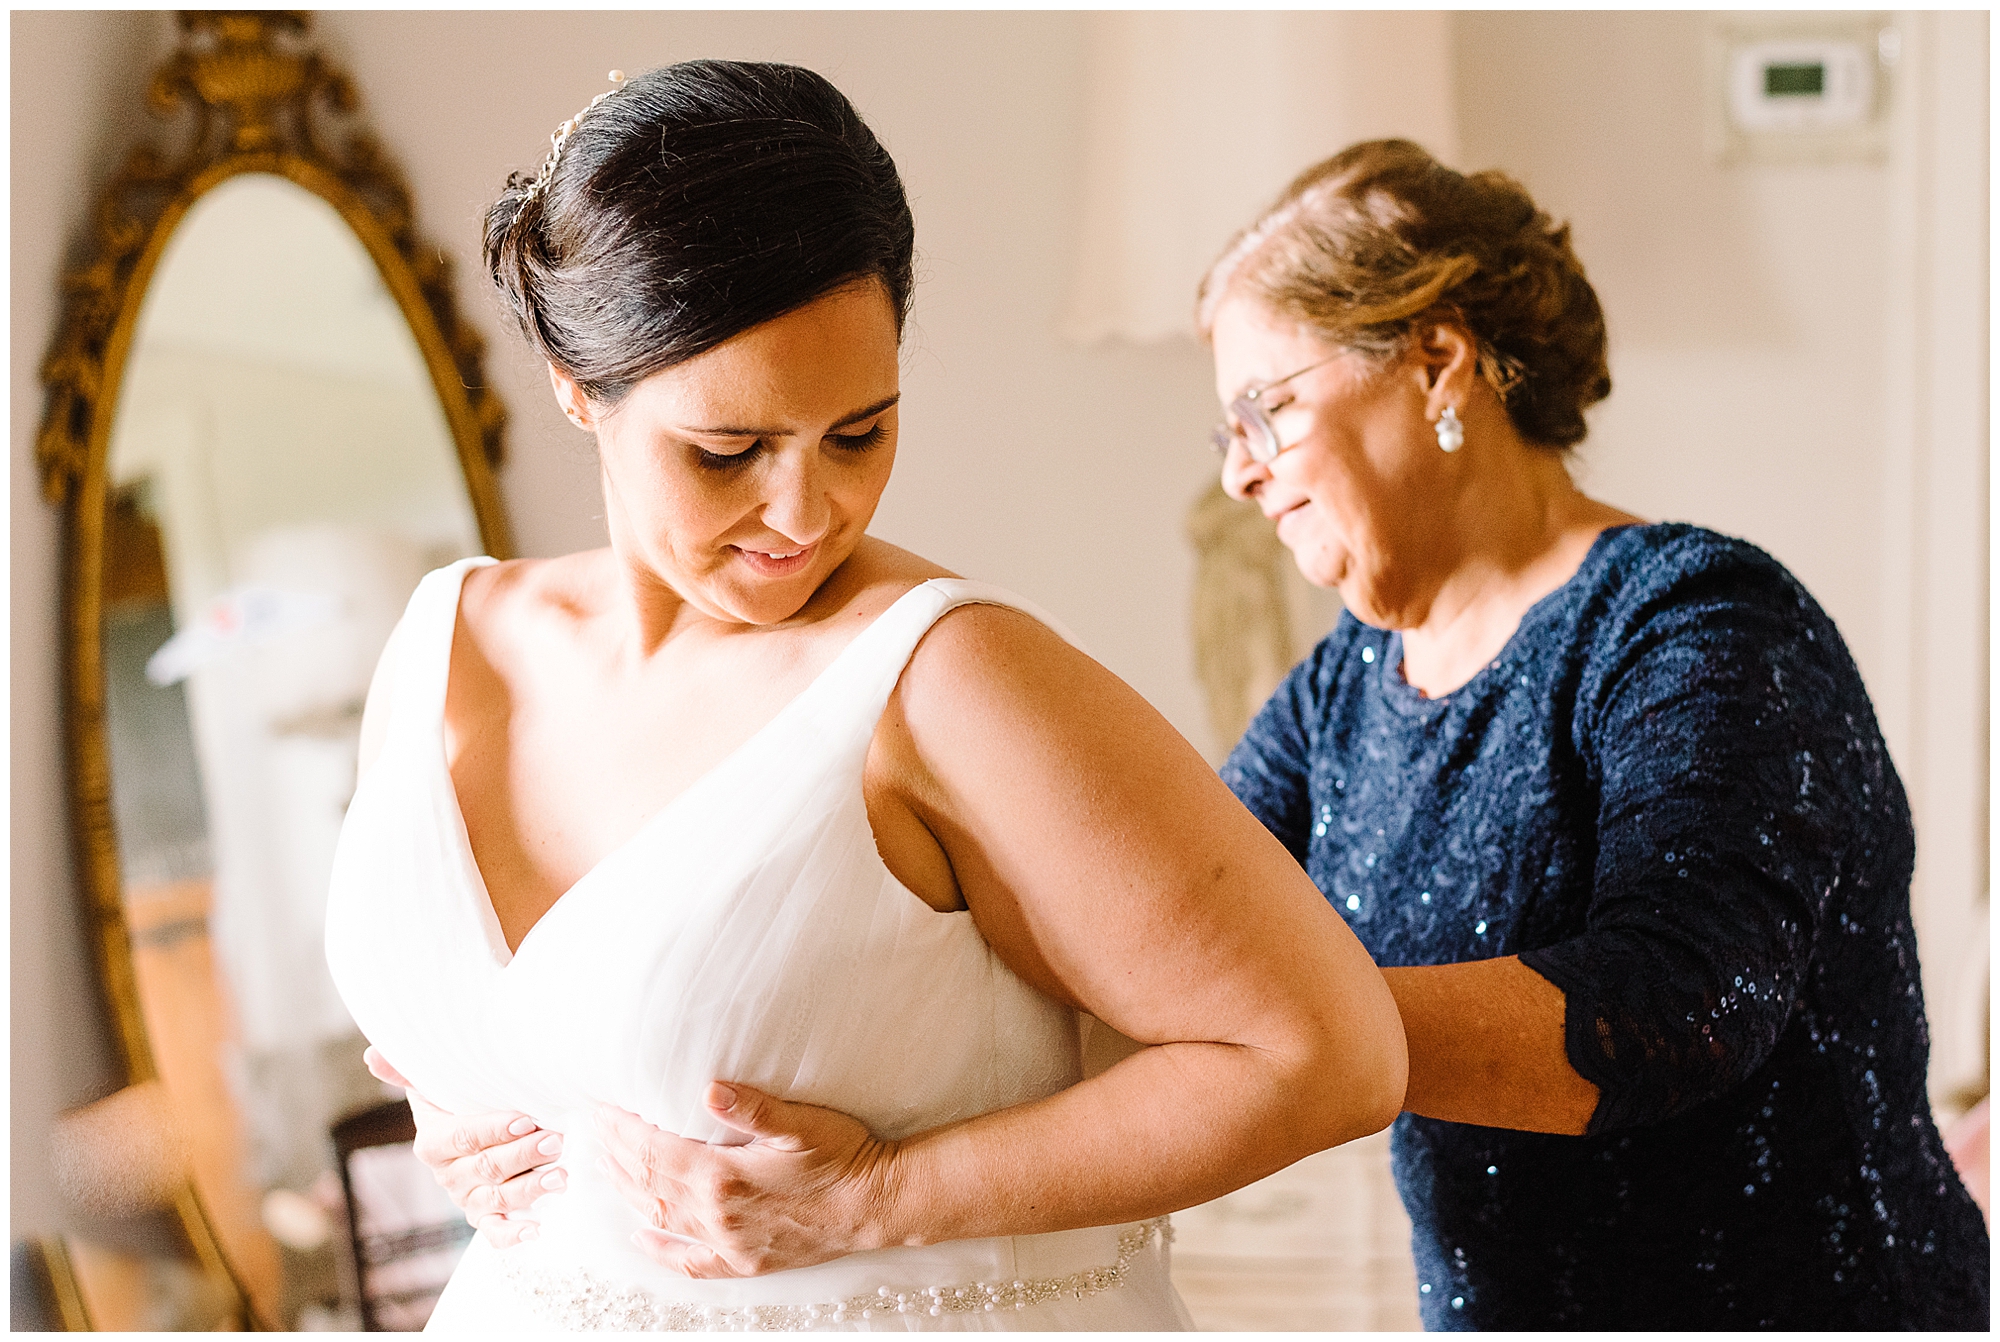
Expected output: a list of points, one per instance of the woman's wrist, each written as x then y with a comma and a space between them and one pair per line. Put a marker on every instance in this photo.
1487, 1047
877, 1197
916, 1189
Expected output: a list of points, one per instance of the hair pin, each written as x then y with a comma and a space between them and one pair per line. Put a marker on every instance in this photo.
562, 134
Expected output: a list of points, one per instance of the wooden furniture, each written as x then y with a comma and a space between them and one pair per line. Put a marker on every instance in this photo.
400, 1262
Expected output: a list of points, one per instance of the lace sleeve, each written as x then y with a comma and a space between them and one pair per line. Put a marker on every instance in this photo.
1730, 783
1270, 768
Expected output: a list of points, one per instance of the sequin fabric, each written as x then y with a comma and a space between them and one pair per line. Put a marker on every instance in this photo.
1669, 796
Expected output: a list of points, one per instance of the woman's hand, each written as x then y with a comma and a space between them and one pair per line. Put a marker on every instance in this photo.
811, 1186
494, 1166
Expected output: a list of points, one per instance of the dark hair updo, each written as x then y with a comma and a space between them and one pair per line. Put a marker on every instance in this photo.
691, 204
1382, 239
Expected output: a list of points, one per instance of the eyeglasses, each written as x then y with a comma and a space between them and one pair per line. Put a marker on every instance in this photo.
1249, 422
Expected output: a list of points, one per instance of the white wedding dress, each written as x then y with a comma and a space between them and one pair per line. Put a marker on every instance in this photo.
748, 932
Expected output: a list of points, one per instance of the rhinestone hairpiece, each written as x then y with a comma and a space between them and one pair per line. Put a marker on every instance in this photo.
562, 134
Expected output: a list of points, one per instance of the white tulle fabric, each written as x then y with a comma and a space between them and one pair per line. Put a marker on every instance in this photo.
749, 931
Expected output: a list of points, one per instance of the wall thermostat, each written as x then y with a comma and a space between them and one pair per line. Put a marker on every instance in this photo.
1823, 84
1799, 89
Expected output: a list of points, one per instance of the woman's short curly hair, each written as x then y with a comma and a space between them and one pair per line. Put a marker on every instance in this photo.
1382, 239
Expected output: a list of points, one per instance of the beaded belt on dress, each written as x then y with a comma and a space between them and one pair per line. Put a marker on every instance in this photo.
574, 1300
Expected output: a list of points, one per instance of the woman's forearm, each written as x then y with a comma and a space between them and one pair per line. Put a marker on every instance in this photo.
1487, 1047
1485, 1043
1166, 1128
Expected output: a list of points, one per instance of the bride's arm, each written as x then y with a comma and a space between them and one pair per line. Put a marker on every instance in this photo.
1108, 865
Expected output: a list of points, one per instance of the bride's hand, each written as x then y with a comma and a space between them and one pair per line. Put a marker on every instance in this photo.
809, 1187
494, 1166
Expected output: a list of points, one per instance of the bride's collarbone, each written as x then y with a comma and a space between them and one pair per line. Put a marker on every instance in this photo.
558, 768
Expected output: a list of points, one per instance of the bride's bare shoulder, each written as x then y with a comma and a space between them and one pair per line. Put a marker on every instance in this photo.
499, 606
972, 646
881, 573
872, 580
523, 594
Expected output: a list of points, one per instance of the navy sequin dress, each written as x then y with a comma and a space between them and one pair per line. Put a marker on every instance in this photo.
1669, 797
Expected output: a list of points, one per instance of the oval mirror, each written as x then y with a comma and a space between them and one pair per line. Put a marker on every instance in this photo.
282, 443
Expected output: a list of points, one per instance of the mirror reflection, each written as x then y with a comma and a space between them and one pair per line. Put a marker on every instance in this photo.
281, 474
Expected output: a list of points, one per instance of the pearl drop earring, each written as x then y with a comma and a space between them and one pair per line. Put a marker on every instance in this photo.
1451, 433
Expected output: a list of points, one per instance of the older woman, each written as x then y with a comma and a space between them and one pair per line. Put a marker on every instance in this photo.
1609, 797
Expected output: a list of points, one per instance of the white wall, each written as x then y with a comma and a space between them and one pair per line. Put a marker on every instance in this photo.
1747, 315
1745, 303
1934, 698
73, 109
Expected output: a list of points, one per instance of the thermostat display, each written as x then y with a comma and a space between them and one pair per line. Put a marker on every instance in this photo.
1800, 84
1794, 81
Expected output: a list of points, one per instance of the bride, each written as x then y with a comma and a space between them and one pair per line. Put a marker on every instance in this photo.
752, 794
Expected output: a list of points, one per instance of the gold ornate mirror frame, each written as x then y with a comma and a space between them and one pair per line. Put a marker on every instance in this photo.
255, 100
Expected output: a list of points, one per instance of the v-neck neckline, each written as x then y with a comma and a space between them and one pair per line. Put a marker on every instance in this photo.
496, 935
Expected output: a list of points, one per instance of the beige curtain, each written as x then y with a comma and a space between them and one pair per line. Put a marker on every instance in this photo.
1197, 120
